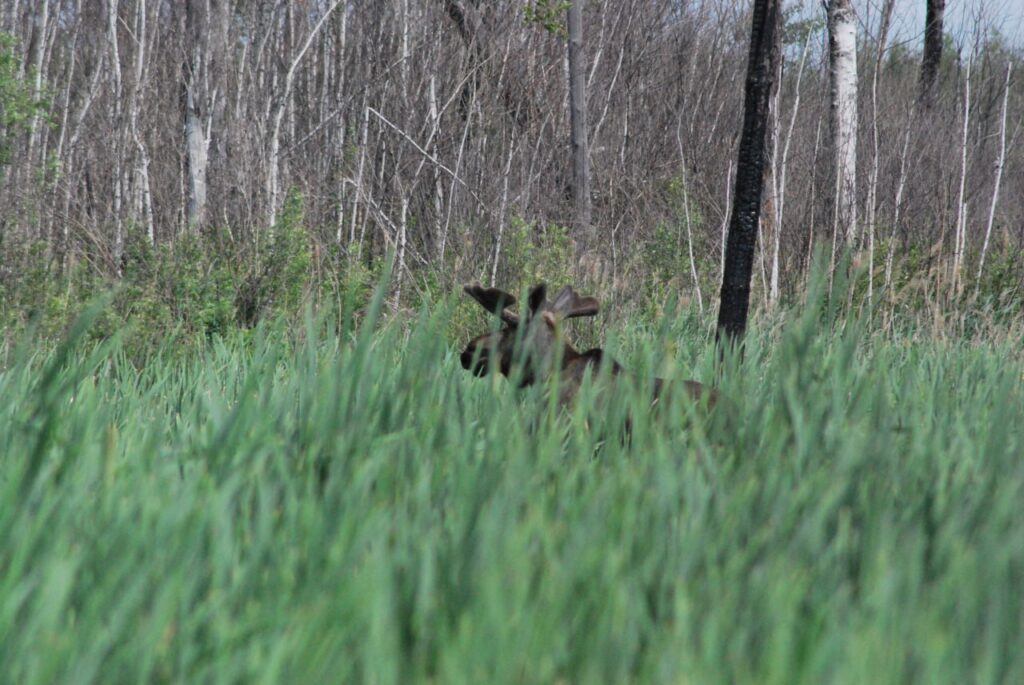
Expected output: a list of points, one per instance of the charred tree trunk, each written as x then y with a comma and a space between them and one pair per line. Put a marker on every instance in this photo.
746, 208
931, 58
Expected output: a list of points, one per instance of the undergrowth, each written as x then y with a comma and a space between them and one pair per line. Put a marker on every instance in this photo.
339, 501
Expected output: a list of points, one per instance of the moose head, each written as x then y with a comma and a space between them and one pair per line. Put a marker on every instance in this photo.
528, 346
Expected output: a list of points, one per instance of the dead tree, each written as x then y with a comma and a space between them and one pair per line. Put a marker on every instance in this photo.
746, 208
931, 57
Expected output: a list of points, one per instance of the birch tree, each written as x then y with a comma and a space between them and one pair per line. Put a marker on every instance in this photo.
779, 183
142, 206
37, 52
1000, 165
960, 231
195, 105
116, 113
883, 35
842, 40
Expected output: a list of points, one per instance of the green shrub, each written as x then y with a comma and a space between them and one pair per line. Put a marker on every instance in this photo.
278, 271
537, 253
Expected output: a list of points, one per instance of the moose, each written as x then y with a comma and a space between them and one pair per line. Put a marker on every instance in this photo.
528, 348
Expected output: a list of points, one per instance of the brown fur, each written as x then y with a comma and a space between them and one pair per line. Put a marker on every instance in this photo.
529, 347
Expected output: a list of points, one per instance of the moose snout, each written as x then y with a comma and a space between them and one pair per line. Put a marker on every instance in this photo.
468, 356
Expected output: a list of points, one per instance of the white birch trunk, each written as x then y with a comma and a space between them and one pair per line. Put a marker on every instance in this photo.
116, 115
686, 211
142, 204
725, 221
451, 188
339, 99
781, 200
62, 131
813, 193
901, 183
435, 119
359, 178
1000, 164
41, 20
501, 214
198, 148
762, 262
774, 135
404, 66
402, 222
872, 208
196, 141
842, 24
961, 213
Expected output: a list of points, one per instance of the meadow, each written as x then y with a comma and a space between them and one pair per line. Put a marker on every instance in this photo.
338, 501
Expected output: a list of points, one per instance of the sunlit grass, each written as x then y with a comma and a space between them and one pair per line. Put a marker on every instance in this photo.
325, 505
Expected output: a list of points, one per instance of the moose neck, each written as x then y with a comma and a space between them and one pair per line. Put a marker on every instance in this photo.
541, 369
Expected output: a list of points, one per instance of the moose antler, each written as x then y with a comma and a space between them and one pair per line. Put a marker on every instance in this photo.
567, 304
493, 300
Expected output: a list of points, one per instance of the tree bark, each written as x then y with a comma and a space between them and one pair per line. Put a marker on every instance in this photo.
781, 185
196, 144
40, 22
142, 208
1000, 164
960, 233
842, 34
872, 208
116, 114
746, 209
897, 205
931, 58
684, 181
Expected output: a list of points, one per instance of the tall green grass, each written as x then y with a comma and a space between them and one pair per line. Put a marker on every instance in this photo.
345, 504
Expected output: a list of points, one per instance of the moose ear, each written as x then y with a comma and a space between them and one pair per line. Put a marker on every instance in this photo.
536, 298
568, 304
491, 299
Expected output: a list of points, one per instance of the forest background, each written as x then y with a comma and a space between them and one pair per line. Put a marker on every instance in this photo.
218, 161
